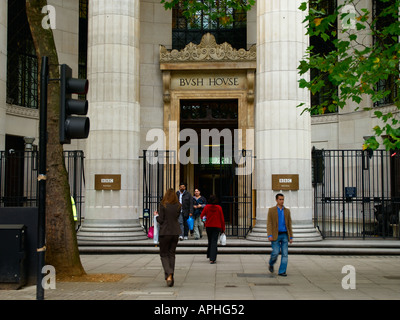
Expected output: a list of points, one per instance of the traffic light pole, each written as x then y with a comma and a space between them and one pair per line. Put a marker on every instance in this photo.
41, 247
70, 128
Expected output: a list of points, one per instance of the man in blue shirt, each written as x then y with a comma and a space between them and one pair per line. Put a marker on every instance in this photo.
279, 230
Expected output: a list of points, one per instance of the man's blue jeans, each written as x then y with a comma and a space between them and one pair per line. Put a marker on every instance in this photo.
280, 245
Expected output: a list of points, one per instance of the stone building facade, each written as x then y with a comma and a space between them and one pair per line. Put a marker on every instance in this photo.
138, 85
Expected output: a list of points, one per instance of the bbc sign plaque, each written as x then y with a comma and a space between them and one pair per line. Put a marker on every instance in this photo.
285, 182
107, 182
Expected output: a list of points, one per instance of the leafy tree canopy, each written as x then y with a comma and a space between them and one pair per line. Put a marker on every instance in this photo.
364, 61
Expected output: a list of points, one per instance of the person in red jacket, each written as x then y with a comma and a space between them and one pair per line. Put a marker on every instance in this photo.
215, 224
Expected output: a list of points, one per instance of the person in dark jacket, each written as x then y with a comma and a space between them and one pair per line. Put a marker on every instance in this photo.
186, 200
215, 224
167, 217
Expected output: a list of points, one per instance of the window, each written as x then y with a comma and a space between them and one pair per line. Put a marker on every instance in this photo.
211, 111
83, 41
22, 62
322, 48
186, 30
381, 23
317, 164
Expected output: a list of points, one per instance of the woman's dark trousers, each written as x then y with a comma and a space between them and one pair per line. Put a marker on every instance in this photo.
212, 235
167, 253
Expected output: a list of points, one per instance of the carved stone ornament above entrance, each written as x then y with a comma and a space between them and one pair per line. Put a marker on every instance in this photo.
207, 51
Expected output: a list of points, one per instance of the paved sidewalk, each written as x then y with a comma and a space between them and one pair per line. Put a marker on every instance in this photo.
233, 277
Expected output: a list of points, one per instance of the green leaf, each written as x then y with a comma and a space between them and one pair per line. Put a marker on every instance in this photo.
378, 114
325, 36
353, 37
371, 143
360, 26
356, 99
303, 6
303, 83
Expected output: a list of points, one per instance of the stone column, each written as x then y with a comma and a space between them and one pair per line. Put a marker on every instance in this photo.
3, 72
283, 136
112, 217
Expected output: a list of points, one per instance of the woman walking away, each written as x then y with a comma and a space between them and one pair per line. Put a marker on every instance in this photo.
215, 223
199, 202
167, 217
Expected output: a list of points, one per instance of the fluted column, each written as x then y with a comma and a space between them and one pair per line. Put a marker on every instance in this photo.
112, 217
283, 136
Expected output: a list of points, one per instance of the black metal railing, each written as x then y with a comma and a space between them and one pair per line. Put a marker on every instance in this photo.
19, 184
74, 163
234, 189
356, 193
159, 171
235, 193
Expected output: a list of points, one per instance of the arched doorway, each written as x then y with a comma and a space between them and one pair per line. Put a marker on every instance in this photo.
208, 93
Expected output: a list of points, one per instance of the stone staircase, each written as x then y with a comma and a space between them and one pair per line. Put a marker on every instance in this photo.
244, 246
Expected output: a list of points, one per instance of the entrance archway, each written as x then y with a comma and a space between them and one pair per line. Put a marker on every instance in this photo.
211, 86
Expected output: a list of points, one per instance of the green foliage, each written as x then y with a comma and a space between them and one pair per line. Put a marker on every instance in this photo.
216, 8
357, 64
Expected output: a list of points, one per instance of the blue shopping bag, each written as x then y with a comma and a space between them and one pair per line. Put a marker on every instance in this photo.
190, 222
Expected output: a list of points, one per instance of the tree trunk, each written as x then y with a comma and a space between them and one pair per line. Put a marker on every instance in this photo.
62, 247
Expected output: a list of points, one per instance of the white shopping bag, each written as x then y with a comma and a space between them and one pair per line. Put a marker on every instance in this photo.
156, 230
222, 239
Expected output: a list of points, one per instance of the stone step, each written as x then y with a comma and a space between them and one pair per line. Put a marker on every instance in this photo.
242, 250
242, 246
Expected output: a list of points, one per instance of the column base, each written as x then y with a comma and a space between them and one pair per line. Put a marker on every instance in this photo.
301, 232
110, 232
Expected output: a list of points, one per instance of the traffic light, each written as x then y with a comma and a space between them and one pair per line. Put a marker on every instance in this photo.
72, 127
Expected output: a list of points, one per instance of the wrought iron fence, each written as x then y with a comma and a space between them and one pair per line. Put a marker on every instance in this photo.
158, 175
235, 187
19, 184
356, 193
74, 163
235, 194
